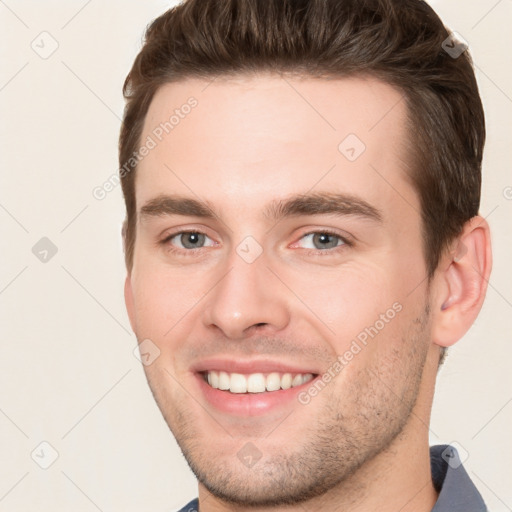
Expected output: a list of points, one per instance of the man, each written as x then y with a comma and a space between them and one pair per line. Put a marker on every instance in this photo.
302, 184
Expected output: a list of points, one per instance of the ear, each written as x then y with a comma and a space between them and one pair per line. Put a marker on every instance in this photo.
461, 283
128, 300
128, 293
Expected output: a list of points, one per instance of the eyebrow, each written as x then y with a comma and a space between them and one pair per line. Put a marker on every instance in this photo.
301, 204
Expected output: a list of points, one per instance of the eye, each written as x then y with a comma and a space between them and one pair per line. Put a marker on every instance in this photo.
322, 240
189, 240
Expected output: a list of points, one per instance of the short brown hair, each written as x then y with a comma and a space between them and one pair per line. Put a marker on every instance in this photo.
397, 41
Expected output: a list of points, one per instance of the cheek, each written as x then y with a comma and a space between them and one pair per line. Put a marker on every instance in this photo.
348, 297
361, 308
164, 300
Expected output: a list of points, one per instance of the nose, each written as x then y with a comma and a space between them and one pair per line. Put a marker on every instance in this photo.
248, 297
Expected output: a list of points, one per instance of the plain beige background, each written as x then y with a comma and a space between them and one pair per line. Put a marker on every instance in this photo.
68, 375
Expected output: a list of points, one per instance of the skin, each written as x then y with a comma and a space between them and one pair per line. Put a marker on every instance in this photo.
362, 442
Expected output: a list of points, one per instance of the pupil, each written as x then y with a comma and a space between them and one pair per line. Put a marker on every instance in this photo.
191, 240
325, 240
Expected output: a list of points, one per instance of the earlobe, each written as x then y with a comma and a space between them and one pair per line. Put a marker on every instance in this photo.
128, 300
462, 283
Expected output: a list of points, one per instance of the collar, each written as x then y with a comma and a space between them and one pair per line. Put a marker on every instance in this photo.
457, 493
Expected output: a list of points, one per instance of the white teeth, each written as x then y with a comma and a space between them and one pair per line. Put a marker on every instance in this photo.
286, 381
273, 381
307, 377
255, 382
237, 383
297, 380
213, 379
224, 381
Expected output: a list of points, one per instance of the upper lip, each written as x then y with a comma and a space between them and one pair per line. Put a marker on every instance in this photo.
251, 366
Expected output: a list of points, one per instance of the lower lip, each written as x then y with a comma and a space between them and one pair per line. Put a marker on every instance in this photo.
249, 404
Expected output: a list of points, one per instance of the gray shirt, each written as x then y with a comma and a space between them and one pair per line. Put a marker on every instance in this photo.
457, 492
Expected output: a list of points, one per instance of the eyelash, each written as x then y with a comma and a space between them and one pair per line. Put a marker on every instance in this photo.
182, 252
310, 252
327, 252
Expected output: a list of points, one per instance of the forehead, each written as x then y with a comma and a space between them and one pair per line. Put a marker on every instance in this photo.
238, 141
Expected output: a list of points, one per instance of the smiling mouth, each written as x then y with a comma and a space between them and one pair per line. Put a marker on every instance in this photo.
255, 382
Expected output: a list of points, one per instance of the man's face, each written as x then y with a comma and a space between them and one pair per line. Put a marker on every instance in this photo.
270, 282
